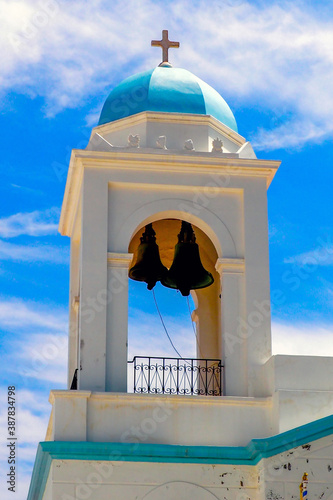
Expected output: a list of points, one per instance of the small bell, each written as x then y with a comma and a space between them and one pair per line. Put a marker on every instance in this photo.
187, 272
148, 267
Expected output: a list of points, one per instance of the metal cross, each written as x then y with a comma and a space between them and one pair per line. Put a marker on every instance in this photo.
166, 44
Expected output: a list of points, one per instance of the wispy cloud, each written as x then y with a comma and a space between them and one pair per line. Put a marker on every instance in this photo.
31, 224
153, 335
44, 358
302, 339
275, 55
17, 315
287, 338
34, 358
37, 223
32, 419
38, 335
320, 256
293, 134
33, 253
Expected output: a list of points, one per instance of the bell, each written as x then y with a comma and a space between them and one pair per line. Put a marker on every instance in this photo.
148, 267
187, 272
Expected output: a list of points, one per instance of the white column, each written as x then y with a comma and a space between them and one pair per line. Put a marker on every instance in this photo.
93, 278
233, 342
117, 322
258, 314
74, 301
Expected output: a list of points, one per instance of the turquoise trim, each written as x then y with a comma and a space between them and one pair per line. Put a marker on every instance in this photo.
40, 474
169, 90
211, 96
175, 90
128, 98
251, 454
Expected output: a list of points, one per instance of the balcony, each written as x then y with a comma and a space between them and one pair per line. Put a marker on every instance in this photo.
181, 376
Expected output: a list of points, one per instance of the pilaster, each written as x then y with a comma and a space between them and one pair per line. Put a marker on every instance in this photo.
117, 321
233, 337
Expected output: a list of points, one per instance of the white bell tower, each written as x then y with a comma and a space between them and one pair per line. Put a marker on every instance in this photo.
114, 191
167, 150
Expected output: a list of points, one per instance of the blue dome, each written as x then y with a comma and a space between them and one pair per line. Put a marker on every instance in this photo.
165, 89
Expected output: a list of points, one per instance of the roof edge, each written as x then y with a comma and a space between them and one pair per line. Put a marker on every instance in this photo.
251, 454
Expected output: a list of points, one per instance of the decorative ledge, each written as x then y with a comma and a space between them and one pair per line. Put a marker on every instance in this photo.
122, 260
230, 266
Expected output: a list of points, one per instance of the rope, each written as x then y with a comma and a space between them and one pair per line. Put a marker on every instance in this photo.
165, 328
193, 328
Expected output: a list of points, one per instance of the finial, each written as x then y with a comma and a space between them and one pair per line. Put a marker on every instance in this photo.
188, 145
133, 141
161, 142
166, 44
217, 146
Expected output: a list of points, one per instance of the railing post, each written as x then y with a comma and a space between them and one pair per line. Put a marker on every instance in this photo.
177, 387
134, 370
163, 378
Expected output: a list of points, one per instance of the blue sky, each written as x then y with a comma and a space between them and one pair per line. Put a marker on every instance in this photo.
272, 62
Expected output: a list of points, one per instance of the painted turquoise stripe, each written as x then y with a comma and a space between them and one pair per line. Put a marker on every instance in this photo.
165, 90
127, 99
40, 474
175, 90
251, 454
222, 112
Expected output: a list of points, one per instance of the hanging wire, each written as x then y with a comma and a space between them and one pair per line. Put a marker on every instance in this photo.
193, 327
165, 328
189, 310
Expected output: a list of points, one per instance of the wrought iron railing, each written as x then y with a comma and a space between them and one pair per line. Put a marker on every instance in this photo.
188, 376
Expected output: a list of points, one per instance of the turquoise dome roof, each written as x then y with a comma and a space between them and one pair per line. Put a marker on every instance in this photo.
165, 89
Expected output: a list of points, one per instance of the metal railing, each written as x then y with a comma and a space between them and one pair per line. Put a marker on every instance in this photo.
187, 376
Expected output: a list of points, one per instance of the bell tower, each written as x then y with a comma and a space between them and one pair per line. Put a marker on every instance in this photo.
167, 190
206, 177
163, 156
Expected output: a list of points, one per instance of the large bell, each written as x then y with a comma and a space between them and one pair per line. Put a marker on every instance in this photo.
148, 266
187, 272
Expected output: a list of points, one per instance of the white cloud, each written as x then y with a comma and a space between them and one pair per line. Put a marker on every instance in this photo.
32, 418
275, 56
34, 358
292, 134
302, 339
153, 335
320, 256
18, 315
35, 223
44, 358
33, 253
40, 342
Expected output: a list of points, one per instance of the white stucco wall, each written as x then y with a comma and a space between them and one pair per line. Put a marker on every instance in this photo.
274, 478
121, 195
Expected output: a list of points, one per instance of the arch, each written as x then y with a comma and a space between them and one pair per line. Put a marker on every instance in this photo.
207, 301
208, 222
183, 490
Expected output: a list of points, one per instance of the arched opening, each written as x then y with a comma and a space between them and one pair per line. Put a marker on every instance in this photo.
163, 323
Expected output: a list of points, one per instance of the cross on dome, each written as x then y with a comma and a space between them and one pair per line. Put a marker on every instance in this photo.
165, 44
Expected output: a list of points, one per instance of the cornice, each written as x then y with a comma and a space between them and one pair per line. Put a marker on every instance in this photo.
151, 161
170, 118
230, 266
